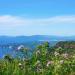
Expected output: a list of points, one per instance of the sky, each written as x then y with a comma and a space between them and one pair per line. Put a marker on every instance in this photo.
37, 17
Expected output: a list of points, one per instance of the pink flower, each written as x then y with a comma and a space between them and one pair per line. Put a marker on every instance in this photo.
49, 63
65, 55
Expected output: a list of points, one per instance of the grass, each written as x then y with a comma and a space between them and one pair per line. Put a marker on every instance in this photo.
44, 61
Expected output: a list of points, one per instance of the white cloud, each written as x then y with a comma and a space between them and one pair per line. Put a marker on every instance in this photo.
21, 21
12, 20
16, 25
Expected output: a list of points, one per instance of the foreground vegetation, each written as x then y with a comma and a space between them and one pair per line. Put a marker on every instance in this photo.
45, 60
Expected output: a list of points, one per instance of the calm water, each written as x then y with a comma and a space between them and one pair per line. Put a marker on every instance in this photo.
11, 49
6, 50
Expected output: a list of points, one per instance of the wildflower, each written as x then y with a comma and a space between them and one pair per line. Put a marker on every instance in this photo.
20, 65
38, 52
39, 69
61, 61
59, 48
38, 66
56, 53
65, 55
38, 62
49, 63
73, 56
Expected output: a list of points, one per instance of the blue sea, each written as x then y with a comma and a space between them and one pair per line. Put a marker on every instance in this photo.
4, 50
11, 49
